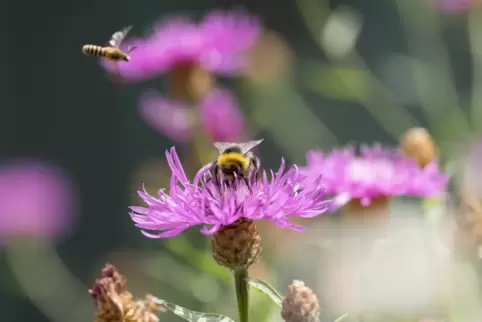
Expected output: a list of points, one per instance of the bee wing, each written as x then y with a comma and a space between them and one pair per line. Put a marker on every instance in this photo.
119, 36
247, 146
221, 146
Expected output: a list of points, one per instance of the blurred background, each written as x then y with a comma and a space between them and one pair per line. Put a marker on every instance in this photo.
76, 146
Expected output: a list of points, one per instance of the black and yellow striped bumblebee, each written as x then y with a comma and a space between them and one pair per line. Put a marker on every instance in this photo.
235, 160
111, 52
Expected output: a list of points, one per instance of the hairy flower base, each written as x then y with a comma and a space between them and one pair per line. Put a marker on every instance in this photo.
189, 204
300, 304
237, 245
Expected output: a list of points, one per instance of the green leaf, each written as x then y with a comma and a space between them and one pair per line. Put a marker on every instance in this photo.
192, 316
266, 289
341, 317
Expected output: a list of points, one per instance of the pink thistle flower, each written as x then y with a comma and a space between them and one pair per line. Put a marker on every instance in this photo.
375, 172
218, 44
35, 200
220, 116
188, 204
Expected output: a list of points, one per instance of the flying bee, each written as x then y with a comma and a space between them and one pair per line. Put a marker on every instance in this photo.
235, 160
112, 52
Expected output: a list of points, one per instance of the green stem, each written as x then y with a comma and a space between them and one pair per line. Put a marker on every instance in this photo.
242, 288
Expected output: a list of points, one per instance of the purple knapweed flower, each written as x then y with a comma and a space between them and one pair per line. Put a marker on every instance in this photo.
218, 44
36, 199
275, 197
377, 171
220, 116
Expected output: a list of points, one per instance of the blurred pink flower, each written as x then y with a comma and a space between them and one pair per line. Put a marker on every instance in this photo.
218, 44
377, 171
220, 116
455, 6
35, 200
166, 116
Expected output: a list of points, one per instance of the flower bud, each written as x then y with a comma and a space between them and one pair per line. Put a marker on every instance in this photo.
237, 245
418, 143
300, 304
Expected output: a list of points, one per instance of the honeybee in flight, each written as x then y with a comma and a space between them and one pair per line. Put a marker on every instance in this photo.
111, 52
235, 160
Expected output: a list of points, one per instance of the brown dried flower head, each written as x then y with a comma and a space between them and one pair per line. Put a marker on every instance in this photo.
114, 303
418, 143
300, 304
468, 232
238, 245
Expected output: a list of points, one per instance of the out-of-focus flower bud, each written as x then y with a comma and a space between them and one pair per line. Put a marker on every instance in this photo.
418, 143
300, 304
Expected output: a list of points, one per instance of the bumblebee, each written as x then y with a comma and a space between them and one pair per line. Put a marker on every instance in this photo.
111, 52
235, 160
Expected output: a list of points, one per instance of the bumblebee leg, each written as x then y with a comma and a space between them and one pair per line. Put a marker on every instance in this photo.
248, 185
214, 170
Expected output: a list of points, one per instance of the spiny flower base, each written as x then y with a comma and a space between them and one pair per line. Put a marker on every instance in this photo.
237, 245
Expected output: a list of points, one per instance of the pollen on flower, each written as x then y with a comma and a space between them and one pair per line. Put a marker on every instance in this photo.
115, 303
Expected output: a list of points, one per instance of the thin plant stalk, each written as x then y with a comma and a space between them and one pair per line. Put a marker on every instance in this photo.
382, 105
242, 293
474, 25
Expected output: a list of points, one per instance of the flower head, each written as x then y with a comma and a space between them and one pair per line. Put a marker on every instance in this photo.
275, 197
221, 116
218, 44
377, 171
115, 303
300, 304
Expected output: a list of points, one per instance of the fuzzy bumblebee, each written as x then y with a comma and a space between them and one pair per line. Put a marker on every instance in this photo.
235, 160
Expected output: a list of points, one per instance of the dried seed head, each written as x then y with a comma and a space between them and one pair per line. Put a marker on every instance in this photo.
237, 245
300, 304
468, 233
418, 143
114, 303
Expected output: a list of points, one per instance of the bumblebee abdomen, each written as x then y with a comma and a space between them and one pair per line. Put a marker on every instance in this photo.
94, 50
